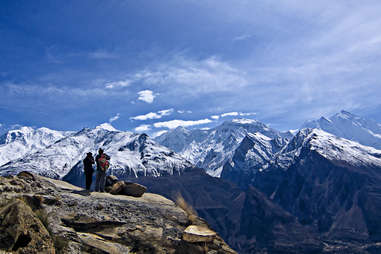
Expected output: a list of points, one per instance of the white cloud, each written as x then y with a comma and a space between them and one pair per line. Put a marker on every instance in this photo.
215, 117
143, 127
146, 96
176, 123
247, 114
184, 111
118, 84
158, 133
147, 116
235, 114
230, 114
165, 112
153, 115
114, 118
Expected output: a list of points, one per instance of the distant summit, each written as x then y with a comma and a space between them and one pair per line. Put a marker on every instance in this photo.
350, 126
106, 126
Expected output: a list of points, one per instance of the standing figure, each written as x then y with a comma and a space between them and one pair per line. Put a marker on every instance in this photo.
88, 168
102, 166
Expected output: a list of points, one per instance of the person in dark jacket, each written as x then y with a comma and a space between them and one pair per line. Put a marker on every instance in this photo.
102, 166
88, 168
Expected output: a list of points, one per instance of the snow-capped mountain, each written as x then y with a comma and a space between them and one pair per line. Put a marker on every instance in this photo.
210, 149
331, 147
180, 138
255, 153
328, 182
131, 155
17, 143
347, 125
331, 182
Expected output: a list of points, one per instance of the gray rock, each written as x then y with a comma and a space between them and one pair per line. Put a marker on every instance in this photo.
68, 219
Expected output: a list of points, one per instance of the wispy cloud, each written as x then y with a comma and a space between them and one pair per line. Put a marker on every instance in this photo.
114, 118
184, 111
18, 89
143, 128
102, 54
153, 115
116, 84
146, 96
230, 114
176, 123
242, 37
233, 114
190, 76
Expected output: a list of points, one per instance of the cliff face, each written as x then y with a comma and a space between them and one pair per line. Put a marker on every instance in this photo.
41, 215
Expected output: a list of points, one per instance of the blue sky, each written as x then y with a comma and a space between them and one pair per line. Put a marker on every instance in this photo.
154, 65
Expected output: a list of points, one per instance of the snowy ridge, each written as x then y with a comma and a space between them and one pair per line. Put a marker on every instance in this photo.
211, 149
331, 147
17, 143
131, 155
259, 155
347, 125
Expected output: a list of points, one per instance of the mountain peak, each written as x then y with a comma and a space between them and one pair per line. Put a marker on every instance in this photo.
106, 126
340, 149
345, 115
350, 126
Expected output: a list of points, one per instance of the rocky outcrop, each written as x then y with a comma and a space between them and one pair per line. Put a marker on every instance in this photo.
21, 230
42, 215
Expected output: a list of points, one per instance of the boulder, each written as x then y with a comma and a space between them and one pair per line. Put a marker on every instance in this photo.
117, 188
196, 234
111, 180
134, 189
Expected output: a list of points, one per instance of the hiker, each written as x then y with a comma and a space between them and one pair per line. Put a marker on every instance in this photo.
88, 168
102, 166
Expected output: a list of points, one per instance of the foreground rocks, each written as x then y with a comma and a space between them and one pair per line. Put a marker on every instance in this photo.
41, 215
114, 186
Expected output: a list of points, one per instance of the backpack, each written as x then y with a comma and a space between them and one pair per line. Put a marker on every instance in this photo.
103, 163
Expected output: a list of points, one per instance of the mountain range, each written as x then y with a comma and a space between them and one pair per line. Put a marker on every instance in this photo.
131, 154
211, 149
313, 192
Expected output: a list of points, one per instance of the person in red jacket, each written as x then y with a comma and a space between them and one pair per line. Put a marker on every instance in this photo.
103, 164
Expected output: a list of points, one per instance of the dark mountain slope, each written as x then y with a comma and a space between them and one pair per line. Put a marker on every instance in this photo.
248, 220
